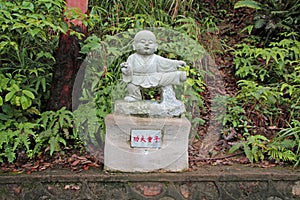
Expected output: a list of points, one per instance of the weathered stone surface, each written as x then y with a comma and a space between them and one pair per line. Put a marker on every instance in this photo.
172, 156
210, 183
149, 189
149, 108
296, 189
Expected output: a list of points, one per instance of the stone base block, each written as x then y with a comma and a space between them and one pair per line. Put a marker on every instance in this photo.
172, 155
150, 108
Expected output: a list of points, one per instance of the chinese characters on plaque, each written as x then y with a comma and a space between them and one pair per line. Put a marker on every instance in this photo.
146, 138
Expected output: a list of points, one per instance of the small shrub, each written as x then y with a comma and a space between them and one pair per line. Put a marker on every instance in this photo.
256, 147
56, 128
273, 17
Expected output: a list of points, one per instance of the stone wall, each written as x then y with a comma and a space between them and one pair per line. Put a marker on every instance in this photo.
219, 182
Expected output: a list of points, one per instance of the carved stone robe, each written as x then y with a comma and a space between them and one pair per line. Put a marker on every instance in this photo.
151, 71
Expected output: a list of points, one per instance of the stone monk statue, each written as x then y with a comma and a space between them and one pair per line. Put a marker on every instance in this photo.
145, 69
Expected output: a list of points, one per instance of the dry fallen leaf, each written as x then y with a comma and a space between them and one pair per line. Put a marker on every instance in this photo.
72, 187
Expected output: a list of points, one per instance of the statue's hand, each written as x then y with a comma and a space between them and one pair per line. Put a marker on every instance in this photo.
124, 68
124, 65
181, 64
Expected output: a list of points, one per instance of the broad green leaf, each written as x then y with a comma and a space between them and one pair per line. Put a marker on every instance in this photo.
3, 117
28, 94
43, 81
25, 102
248, 4
9, 95
7, 14
235, 147
62, 140
261, 137
1, 101
48, 5
248, 152
27, 5
248, 28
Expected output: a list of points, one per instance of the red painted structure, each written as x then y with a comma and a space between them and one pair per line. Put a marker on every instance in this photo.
67, 62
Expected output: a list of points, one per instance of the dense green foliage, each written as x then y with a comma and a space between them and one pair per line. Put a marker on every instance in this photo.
264, 112
29, 38
273, 17
269, 89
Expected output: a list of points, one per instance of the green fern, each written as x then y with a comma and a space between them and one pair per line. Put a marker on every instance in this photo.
55, 142
281, 150
254, 147
55, 128
9, 154
257, 146
88, 125
16, 136
281, 154
290, 138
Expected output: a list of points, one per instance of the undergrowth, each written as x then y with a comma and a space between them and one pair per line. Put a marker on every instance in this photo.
264, 113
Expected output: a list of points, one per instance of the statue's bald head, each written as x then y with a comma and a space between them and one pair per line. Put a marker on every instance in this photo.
144, 34
144, 43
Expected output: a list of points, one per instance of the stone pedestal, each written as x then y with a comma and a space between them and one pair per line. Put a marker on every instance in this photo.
150, 108
172, 155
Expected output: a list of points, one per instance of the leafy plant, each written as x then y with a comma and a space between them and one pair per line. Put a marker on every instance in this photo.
253, 147
29, 37
190, 94
291, 135
235, 115
88, 125
19, 97
256, 147
269, 88
19, 101
30, 33
15, 136
273, 16
270, 81
266, 64
291, 89
56, 129
282, 151
47, 133
261, 97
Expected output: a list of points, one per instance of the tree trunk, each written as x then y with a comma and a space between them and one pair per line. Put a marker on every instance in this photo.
67, 62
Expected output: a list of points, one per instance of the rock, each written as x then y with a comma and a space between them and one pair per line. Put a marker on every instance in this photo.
149, 108
171, 156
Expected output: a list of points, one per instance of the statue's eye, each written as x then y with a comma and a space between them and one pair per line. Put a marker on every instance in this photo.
143, 41
150, 42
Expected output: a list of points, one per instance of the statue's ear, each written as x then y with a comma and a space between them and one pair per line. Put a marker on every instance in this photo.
133, 46
156, 45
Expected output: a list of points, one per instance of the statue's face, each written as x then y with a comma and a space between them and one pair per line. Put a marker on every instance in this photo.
145, 44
